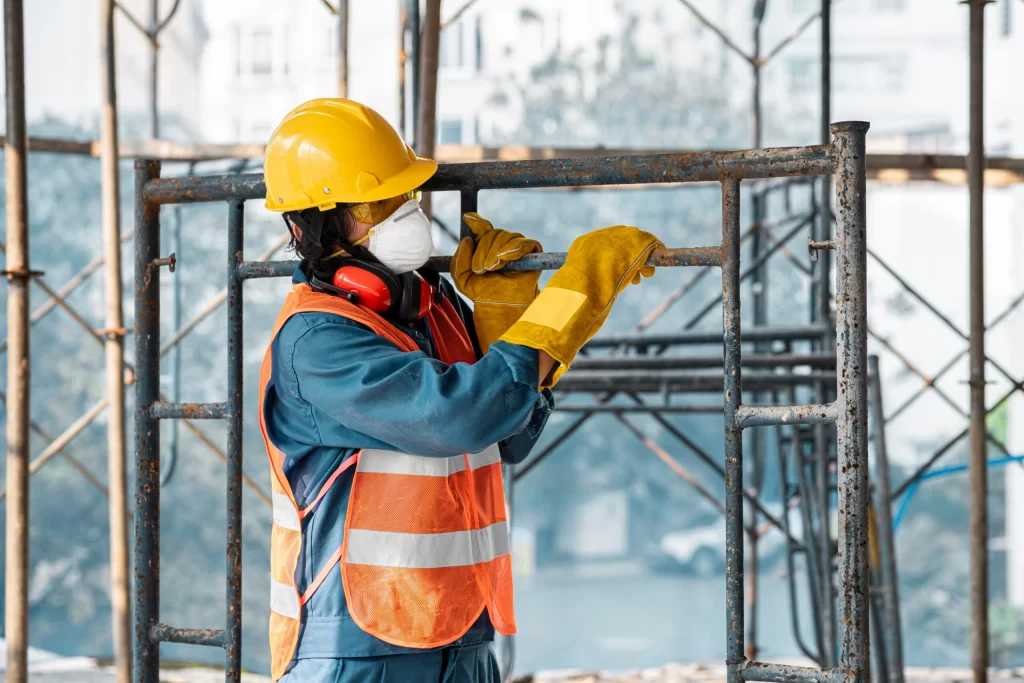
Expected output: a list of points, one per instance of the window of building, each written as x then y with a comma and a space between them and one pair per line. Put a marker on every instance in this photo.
451, 52
928, 138
801, 6
449, 132
285, 49
801, 74
893, 73
259, 131
869, 74
262, 51
1007, 18
478, 44
892, 5
236, 43
330, 47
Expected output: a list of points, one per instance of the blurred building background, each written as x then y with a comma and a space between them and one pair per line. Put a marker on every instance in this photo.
572, 73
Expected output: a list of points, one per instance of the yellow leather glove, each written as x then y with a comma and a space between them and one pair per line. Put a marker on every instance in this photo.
575, 303
498, 297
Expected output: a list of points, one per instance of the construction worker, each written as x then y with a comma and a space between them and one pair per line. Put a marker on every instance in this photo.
388, 405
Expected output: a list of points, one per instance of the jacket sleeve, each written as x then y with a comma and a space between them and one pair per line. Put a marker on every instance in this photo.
364, 392
517, 447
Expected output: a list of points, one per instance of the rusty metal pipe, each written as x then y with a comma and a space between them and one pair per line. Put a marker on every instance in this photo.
403, 25
117, 480
644, 408
165, 410
685, 256
890, 620
784, 673
642, 169
147, 428
234, 409
161, 633
821, 312
766, 360
659, 381
342, 48
413, 7
733, 433
852, 397
775, 416
978, 491
18, 365
766, 333
430, 44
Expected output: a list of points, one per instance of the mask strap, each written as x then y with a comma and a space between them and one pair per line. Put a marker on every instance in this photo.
358, 251
313, 228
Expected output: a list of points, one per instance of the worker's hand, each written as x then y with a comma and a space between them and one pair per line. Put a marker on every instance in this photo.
499, 297
579, 297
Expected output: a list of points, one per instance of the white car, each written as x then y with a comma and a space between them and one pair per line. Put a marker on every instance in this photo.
700, 551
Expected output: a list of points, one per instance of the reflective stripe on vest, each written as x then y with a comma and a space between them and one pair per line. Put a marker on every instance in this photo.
389, 462
285, 514
426, 546
427, 551
283, 599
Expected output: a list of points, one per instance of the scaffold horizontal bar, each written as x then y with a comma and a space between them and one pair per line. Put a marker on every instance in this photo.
764, 333
772, 416
785, 673
661, 381
685, 256
656, 408
780, 360
639, 169
162, 633
164, 410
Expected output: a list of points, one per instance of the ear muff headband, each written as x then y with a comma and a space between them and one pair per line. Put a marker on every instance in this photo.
406, 297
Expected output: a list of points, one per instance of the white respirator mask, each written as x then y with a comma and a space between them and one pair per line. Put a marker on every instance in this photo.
403, 241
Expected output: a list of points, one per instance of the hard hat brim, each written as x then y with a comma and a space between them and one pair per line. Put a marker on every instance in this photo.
409, 179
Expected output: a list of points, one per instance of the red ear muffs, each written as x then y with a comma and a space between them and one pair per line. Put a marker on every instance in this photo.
406, 297
374, 288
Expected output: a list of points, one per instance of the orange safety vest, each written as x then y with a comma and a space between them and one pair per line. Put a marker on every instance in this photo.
426, 542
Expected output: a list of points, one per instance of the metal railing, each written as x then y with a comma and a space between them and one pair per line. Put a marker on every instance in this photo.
844, 157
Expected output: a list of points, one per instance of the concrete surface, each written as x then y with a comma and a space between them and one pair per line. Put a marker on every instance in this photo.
715, 673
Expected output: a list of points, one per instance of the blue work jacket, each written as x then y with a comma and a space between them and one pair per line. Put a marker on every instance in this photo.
337, 387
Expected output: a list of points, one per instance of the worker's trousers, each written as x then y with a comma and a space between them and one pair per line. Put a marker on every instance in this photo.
472, 664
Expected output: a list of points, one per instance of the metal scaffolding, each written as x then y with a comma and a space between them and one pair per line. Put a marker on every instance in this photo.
813, 461
844, 157
18, 274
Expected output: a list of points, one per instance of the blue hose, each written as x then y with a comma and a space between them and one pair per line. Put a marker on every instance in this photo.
944, 472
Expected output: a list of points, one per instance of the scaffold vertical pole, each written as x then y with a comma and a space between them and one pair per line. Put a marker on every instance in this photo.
852, 398
233, 632
18, 367
977, 466
147, 428
120, 582
890, 578
734, 535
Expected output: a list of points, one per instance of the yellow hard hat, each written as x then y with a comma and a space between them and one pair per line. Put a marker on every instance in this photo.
335, 151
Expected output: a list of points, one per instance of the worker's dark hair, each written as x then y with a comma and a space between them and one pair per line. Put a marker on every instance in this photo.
336, 226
